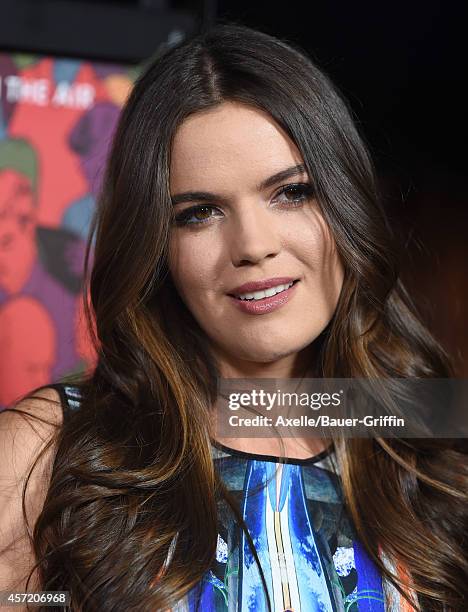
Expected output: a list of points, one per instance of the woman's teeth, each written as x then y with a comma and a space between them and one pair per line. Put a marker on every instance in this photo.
260, 295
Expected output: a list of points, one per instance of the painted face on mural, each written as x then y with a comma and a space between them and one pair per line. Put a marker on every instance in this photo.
28, 337
17, 230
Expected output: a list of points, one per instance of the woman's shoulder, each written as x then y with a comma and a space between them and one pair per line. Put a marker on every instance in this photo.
27, 433
49, 406
43, 404
30, 423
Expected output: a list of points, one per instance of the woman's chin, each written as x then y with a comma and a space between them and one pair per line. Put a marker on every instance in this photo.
255, 355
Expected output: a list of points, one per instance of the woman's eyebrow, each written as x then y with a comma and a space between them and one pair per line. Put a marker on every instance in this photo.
205, 196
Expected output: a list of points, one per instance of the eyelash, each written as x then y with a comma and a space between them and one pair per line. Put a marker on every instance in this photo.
305, 190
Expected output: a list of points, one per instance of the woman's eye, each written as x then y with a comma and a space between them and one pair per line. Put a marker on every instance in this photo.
201, 214
296, 194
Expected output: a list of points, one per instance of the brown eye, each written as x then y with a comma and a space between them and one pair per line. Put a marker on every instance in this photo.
298, 193
200, 213
295, 193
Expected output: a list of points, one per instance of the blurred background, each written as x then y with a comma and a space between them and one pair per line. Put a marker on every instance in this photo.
66, 67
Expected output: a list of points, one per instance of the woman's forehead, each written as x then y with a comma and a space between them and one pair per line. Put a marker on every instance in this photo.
229, 142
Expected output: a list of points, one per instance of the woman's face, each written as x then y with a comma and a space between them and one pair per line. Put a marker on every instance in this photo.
248, 230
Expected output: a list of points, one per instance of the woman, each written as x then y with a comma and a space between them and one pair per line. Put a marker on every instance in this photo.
236, 161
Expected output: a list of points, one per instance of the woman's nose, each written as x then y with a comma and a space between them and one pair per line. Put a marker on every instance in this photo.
254, 235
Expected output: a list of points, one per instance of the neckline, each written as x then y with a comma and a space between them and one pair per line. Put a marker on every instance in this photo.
272, 458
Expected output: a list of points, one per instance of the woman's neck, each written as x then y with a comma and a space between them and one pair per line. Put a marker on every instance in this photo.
297, 366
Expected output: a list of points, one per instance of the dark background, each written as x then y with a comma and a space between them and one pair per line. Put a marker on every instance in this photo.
401, 65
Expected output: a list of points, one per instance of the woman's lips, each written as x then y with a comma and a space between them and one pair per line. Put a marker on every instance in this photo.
267, 304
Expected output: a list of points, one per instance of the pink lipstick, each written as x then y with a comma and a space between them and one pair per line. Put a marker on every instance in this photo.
266, 304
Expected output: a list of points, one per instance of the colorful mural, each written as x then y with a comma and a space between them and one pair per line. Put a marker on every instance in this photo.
57, 119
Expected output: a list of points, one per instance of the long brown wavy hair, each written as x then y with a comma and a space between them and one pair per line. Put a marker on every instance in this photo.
130, 517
